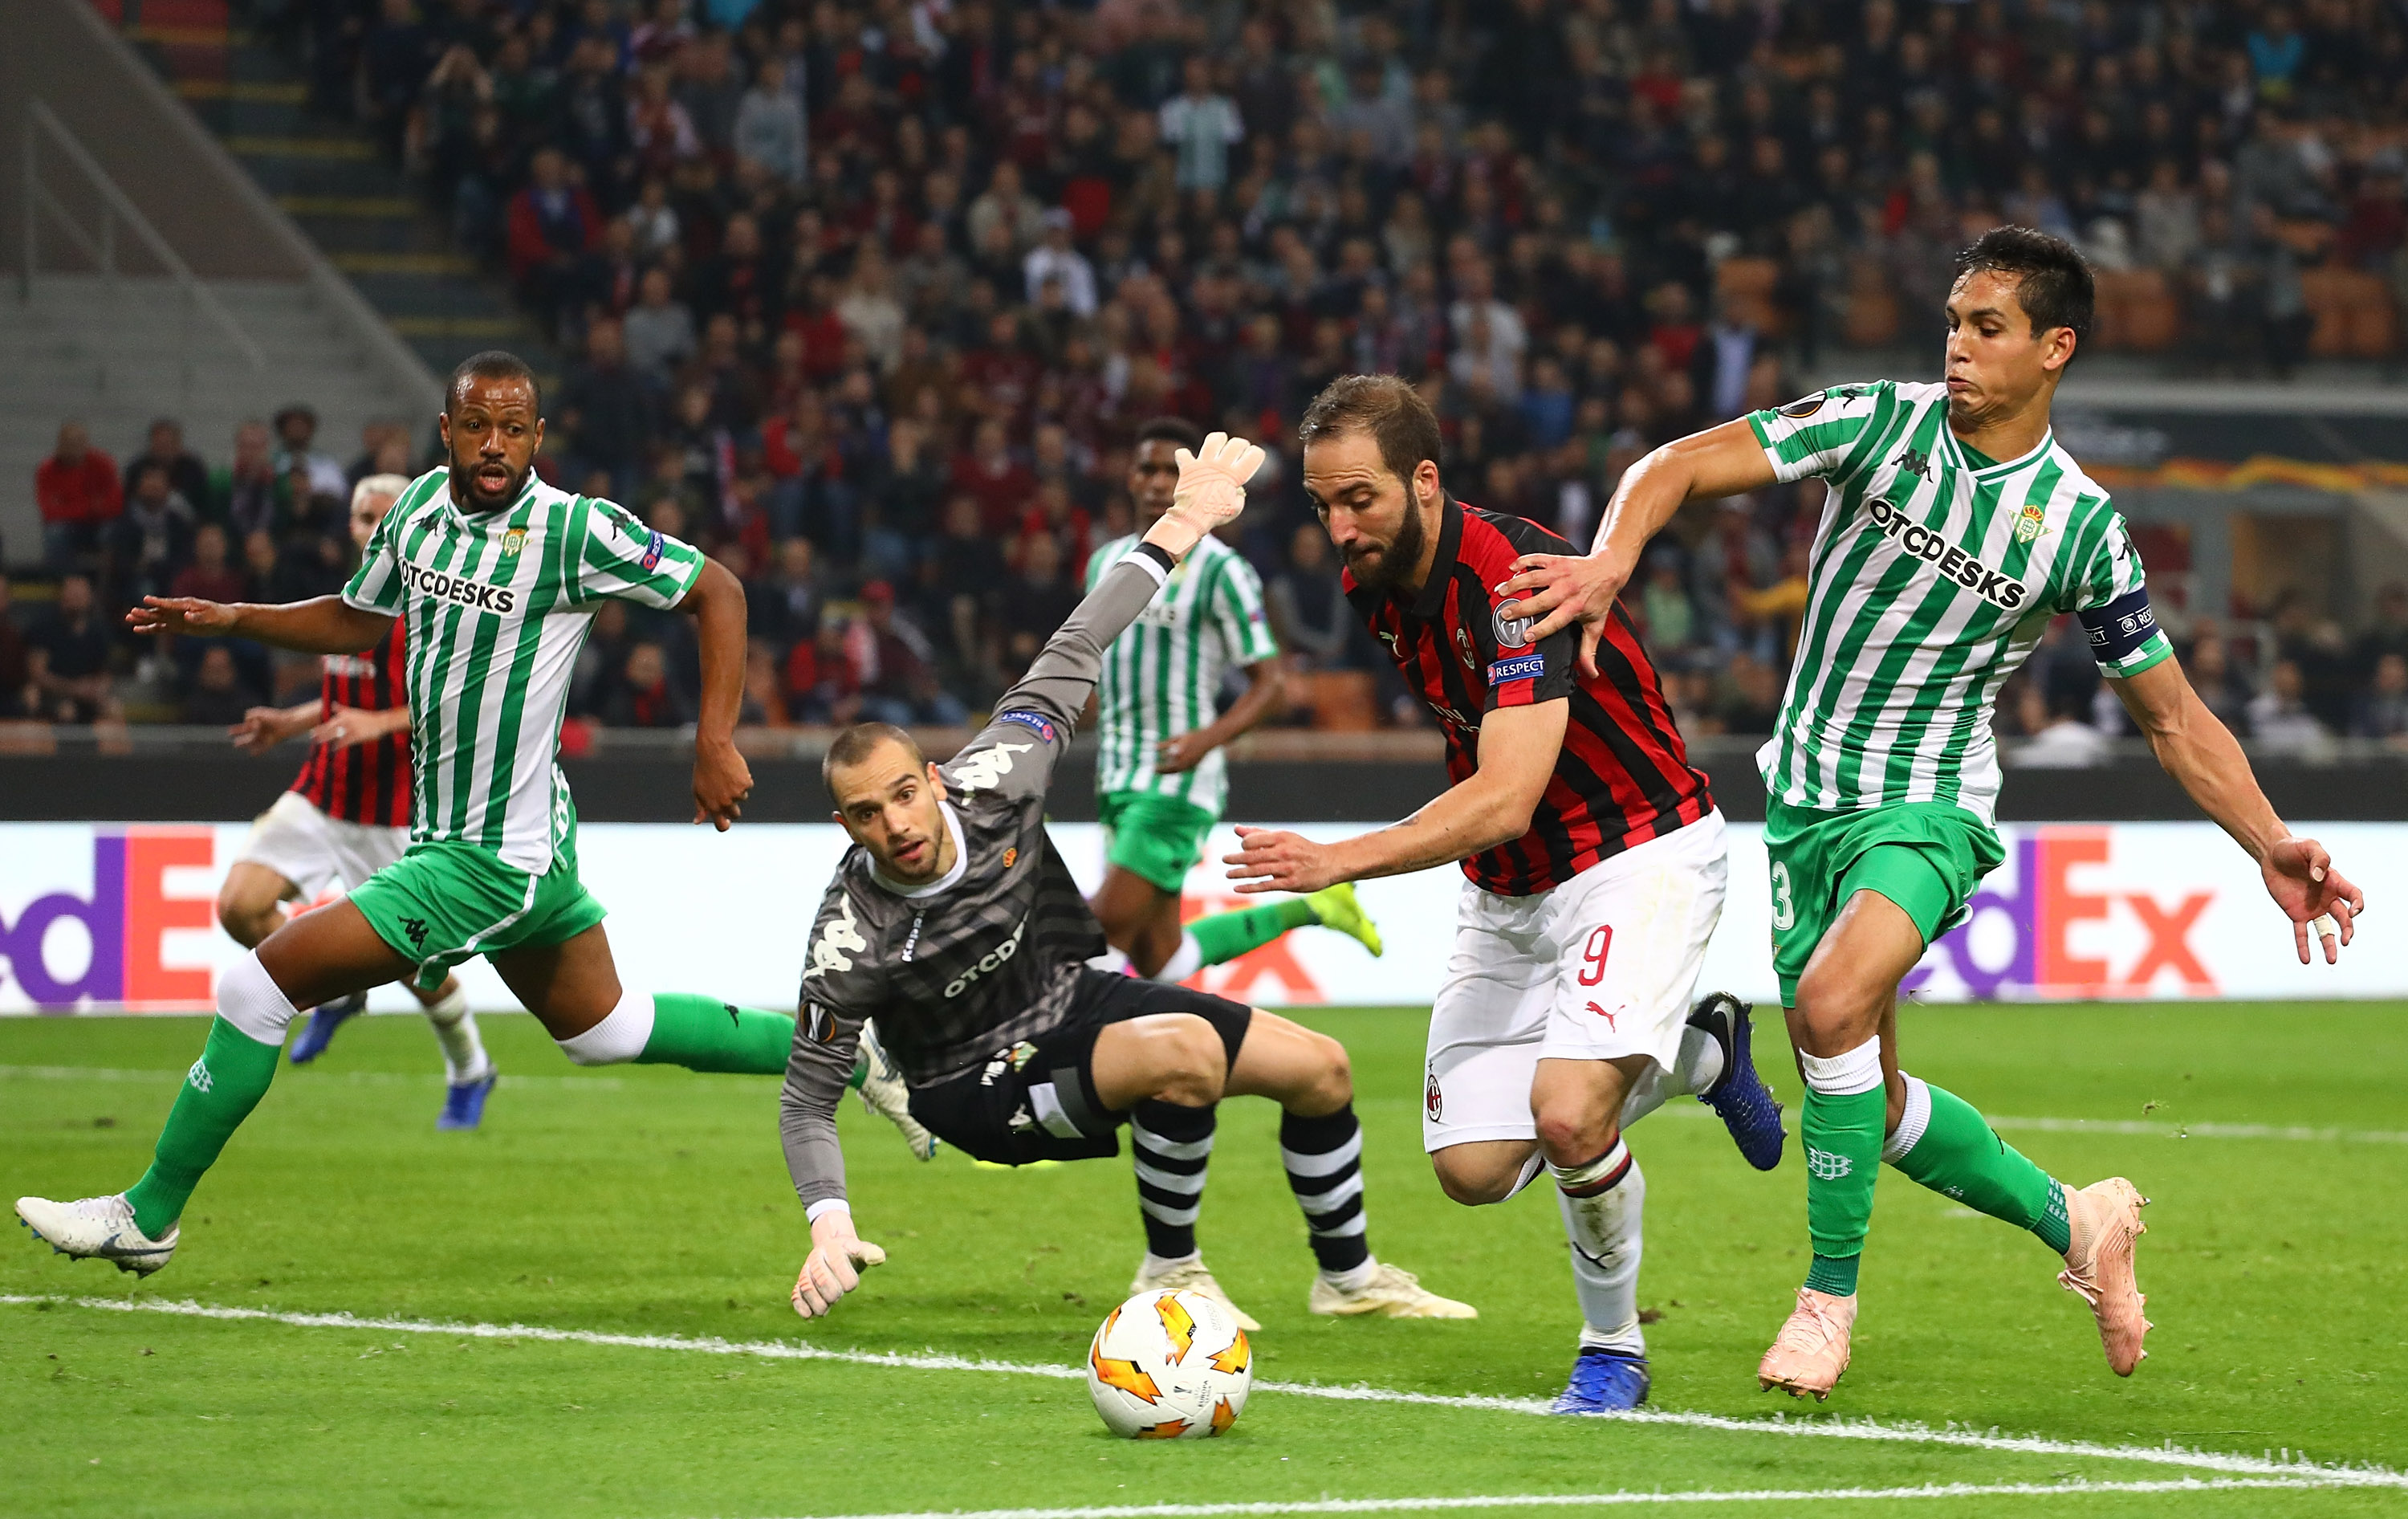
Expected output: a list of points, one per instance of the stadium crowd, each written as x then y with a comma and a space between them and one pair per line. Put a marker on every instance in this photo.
869, 298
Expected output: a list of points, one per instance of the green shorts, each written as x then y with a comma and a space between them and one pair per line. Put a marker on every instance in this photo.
1924, 856
441, 903
1156, 836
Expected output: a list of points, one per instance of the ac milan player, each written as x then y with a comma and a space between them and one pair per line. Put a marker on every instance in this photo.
1595, 860
347, 817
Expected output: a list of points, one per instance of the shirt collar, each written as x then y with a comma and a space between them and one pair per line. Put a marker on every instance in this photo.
1432, 599
944, 883
481, 519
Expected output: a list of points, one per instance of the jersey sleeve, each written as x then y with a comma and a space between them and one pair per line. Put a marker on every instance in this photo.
375, 585
842, 991
1821, 434
1516, 672
1240, 616
2109, 591
618, 557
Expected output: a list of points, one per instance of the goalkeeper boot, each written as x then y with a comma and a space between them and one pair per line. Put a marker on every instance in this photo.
1738, 1096
884, 1093
318, 1031
2106, 1219
1812, 1350
97, 1228
1603, 1382
1189, 1275
1337, 907
1392, 1292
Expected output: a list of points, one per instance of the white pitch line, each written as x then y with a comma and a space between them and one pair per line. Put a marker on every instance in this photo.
2168, 1454
2137, 1127
1615, 1499
348, 1078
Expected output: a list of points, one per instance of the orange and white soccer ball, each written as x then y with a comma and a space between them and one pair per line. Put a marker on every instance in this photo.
1170, 1366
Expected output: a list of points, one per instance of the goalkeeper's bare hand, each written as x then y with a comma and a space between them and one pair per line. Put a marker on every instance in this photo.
1211, 493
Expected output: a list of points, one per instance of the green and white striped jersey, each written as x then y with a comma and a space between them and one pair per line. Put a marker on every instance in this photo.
1162, 678
496, 606
1935, 571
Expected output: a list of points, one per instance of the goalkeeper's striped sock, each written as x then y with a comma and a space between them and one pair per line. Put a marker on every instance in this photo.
1944, 1145
1173, 1147
1323, 1157
1845, 1110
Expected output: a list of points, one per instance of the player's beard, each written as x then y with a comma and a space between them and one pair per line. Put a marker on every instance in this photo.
471, 495
1385, 567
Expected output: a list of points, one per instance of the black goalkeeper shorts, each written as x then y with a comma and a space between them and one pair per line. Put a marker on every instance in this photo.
1036, 1101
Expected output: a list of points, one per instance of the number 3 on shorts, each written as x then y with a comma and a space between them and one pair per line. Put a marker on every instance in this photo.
1785, 911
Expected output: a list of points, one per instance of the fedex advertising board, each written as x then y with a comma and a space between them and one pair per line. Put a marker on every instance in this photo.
95, 918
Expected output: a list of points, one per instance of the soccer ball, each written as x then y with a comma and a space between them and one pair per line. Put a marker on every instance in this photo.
1170, 1366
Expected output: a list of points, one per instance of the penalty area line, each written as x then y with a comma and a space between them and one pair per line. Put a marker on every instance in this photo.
2290, 1468
1615, 1499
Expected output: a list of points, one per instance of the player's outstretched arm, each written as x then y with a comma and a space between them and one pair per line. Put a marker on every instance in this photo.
1518, 746
2200, 752
1265, 683
834, 1267
320, 625
722, 780
1557, 589
262, 728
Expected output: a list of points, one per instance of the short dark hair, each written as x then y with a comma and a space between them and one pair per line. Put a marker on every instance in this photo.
1387, 408
493, 363
858, 743
2053, 282
1177, 430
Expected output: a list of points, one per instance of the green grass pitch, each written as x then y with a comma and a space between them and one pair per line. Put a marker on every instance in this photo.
653, 1203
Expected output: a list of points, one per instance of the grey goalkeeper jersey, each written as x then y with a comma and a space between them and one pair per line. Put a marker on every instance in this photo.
984, 958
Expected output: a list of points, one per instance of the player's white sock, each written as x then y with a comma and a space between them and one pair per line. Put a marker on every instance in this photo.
1700, 1063
455, 1029
617, 1038
1355, 1277
1185, 961
1602, 1203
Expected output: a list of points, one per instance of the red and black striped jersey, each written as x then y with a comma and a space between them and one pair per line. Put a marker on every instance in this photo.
1623, 777
365, 782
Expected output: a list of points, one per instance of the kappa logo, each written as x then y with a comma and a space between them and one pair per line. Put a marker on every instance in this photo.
198, 1077
415, 929
1914, 461
1826, 1167
984, 769
840, 940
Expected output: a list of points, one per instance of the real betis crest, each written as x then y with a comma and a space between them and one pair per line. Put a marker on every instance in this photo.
512, 541
2028, 527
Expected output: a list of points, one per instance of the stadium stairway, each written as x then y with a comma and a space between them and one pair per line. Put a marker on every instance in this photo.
332, 179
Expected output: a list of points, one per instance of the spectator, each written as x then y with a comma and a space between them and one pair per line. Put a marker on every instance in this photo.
1006, 214
67, 661
218, 698
1057, 260
658, 334
77, 490
242, 494
210, 576
997, 481
186, 474
2060, 740
2279, 718
2383, 711
1308, 612
1203, 125
19, 695
892, 659
1751, 699
2220, 687
552, 225
296, 433
1035, 602
645, 697
604, 410
770, 129
153, 541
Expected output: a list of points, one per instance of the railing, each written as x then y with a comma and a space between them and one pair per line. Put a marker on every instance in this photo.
115, 208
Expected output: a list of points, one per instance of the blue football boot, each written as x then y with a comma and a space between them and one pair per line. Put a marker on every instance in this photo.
1603, 1382
1740, 1097
318, 1031
463, 1106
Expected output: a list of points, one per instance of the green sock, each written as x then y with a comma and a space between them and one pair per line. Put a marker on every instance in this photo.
1957, 1154
224, 1085
1226, 936
702, 1033
1843, 1145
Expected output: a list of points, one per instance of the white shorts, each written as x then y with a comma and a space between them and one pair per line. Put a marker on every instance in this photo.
315, 852
1601, 967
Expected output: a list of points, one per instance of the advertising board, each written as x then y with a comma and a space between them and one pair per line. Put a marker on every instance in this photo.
96, 918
